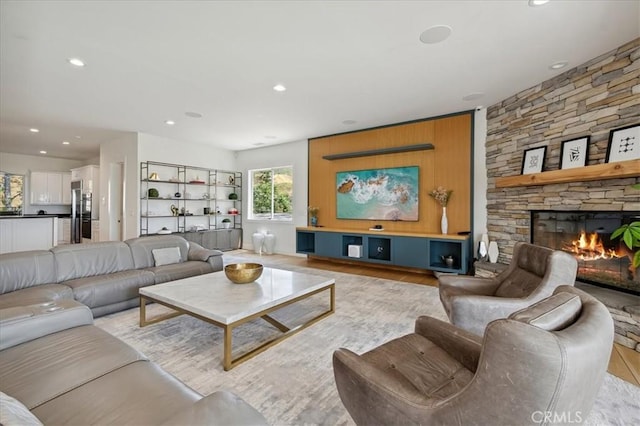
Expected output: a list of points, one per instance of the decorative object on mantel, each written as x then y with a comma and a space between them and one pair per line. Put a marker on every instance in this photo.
624, 144
482, 250
442, 195
313, 215
484, 240
493, 252
574, 153
533, 160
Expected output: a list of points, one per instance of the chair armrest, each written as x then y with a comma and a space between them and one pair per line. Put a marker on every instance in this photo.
461, 345
475, 285
21, 324
220, 408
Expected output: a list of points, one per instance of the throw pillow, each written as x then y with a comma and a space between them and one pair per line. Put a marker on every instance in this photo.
166, 256
12, 412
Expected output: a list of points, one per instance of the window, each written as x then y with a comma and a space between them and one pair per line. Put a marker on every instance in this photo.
271, 193
11, 188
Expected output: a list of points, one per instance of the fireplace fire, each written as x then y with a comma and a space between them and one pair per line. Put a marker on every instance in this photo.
586, 235
590, 247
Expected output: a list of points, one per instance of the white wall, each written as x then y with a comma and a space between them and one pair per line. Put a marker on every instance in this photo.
25, 164
113, 154
294, 154
479, 177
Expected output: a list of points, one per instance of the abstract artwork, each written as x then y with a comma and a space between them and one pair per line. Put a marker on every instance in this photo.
574, 153
624, 144
378, 194
533, 160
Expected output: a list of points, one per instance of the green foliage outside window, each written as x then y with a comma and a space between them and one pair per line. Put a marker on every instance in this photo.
11, 190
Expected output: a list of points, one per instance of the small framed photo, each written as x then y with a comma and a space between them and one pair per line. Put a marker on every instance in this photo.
533, 160
574, 153
624, 144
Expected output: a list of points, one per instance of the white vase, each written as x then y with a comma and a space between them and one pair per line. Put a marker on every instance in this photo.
444, 222
493, 252
258, 240
269, 243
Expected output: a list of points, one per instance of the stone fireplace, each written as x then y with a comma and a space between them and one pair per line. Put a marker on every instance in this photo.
587, 236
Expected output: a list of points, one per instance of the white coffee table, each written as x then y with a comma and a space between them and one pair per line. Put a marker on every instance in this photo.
215, 299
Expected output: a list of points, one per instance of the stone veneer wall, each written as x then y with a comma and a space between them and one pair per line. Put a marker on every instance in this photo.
588, 100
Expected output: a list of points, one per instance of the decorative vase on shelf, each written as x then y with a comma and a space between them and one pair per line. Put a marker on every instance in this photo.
444, 222
314, 220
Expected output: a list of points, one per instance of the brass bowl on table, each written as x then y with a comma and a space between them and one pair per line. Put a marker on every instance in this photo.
243, 273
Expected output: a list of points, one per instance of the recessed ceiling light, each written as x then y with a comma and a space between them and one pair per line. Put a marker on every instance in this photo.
558, 65
279, 88
43, 152
169, 122
534, 3
76, 62
435, 34
34, 130
193, 114
349, 122
473, 96
65, 142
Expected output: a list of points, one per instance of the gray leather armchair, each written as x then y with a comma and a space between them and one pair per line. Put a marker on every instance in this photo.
549, 358
533, 274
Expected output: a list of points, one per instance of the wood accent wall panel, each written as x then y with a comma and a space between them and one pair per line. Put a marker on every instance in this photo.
449, 164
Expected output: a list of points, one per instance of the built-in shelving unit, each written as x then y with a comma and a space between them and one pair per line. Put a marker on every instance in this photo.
182, 199
622, 169
421, 251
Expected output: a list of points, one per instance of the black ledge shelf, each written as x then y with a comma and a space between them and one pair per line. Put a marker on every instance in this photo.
381, 151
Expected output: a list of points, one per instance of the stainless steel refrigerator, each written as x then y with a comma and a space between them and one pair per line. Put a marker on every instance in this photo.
76, 211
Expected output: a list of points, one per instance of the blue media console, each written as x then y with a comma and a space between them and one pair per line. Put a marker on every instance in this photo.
422, 251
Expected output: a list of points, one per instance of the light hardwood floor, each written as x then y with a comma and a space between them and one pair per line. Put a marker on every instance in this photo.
624, 362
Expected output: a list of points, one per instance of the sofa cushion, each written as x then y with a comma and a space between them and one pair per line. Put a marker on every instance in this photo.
13, 413
142, 248
88, 260
166, 256
40, 370
553, 313
181, 270
139, 393
112, 288
33, 295
26, 269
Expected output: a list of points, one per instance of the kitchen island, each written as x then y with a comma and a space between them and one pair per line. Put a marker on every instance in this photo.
20, 233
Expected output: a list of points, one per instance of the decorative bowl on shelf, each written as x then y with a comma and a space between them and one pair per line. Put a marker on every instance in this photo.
243, 273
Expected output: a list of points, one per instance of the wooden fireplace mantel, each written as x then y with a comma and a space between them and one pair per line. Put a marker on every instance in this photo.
622, 169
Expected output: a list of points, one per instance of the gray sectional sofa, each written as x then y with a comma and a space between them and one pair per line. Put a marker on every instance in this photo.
56, 367
104, 276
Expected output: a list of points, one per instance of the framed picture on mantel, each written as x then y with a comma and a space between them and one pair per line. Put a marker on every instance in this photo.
574, 153
533, 160
624, 144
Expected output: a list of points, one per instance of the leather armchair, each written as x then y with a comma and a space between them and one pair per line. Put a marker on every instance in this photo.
533, 274
531, 365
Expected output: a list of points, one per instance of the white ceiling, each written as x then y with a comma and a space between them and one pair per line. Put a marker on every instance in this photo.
340, 60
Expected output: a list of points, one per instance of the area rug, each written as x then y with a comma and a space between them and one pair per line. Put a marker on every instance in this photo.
292, 383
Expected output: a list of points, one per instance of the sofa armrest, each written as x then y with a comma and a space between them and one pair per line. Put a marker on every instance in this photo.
21, 324
461, 345
197, 252
220, 408
475, 285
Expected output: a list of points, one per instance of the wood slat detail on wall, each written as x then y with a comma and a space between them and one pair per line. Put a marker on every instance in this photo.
449, 164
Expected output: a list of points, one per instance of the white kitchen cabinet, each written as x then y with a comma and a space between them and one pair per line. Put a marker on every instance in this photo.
47, 188
66, 188
90, 177
33, 233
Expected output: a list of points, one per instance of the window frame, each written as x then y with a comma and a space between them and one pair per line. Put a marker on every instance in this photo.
273, 218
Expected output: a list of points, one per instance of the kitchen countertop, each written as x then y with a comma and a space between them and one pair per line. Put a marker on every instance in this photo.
30, 216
